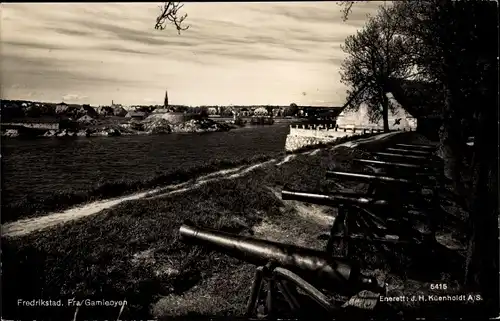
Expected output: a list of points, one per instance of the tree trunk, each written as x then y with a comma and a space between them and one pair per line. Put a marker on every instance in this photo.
482, 256
452, 143
385, 112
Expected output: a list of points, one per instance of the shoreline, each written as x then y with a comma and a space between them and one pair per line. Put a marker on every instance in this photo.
147, 128
130, 128
60, 201
150, 191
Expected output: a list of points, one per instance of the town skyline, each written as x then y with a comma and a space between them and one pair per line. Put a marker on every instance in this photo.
93, 54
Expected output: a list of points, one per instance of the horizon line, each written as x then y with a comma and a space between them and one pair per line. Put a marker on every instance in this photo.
159, 104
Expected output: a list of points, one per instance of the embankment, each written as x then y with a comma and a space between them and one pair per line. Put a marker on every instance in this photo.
132, 251
61, 200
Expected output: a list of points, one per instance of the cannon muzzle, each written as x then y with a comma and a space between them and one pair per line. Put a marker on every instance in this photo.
317, 267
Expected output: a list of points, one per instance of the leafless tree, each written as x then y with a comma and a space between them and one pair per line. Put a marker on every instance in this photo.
169, 13
374, 55
346, 8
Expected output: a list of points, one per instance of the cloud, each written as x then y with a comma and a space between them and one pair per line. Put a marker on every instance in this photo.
151, 100
74, 97
240, 53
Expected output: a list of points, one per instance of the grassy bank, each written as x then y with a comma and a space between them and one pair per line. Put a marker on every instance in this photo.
133, 252
61, 200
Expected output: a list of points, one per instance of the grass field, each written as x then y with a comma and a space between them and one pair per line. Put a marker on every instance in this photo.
132, 251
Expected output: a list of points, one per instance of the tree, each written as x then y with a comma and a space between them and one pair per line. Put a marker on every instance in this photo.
292, 110
375, 54
169, 13
261, 111
455, 48
204, 112
454, 45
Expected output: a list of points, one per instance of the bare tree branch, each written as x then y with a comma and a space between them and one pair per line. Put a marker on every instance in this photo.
169, 13
375, 54
346, 8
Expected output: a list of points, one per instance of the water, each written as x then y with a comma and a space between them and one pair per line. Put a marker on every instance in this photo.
41, 166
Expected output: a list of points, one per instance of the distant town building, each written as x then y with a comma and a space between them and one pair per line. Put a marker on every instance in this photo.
61, 108
105, 111
119, 111
245, 112
212, 111
113, 105
136, 115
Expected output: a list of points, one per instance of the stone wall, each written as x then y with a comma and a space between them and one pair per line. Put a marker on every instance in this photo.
301, 136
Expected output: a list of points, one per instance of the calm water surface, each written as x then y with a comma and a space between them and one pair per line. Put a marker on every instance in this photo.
41, 166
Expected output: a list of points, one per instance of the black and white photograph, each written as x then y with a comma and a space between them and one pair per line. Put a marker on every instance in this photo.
273, 160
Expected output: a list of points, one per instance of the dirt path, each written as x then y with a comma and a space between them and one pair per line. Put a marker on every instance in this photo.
27, 226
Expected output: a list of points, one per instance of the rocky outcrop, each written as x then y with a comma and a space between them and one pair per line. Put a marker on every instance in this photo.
86, 120
11, 133
84, 133
50, 133
200, 126
157, 126
109, 132
146, 127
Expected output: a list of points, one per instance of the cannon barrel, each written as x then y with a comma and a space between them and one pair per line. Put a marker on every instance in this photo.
410, 151
425, 169
413, 157
426, 161
317, 267
368, 177
332, 199
418, 146
391, 164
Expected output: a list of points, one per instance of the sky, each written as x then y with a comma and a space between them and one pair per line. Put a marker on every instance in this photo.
268, 53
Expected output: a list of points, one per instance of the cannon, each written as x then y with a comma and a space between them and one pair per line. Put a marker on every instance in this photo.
397, 155
369, 177
426, 161
418, 146
286, 268
410, 151
398, 169
379, 220
332, 199
396, 165
382, 185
